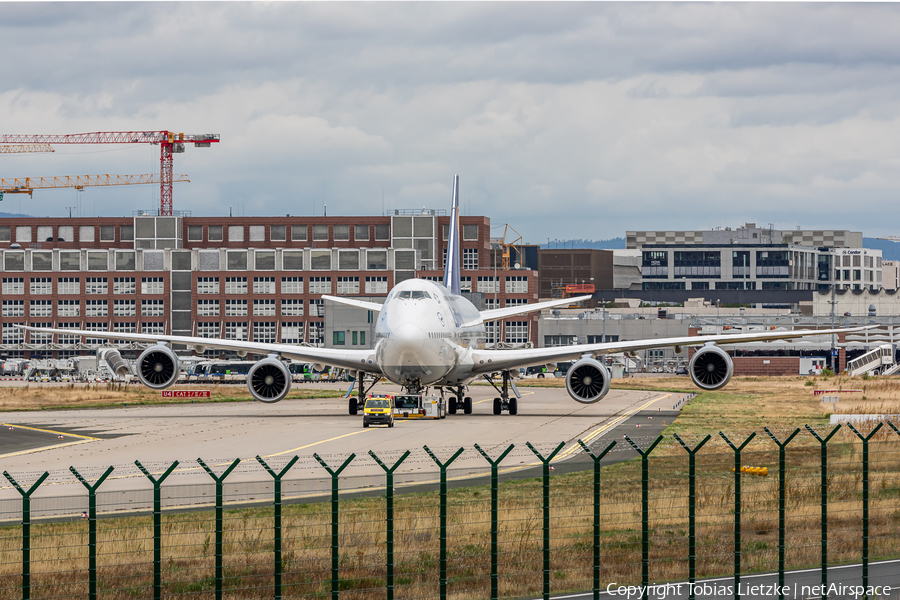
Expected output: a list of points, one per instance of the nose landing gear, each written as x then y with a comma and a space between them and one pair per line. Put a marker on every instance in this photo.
458, 402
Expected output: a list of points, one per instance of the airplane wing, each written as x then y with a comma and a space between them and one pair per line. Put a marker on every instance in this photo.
353, 302
521, 309
487, 361
345, 359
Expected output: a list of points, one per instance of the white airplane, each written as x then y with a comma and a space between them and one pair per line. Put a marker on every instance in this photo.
426, 335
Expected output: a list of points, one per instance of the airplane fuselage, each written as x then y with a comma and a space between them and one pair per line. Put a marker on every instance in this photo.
424, 335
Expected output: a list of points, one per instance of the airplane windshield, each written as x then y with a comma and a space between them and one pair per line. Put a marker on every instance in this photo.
413, 294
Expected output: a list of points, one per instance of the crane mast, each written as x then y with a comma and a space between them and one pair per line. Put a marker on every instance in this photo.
170, 143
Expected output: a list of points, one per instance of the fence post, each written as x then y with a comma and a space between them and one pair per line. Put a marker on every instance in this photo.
781, 502
692, 509
26, 530
443, 500
157, 525
865, 498
823, 487
545, 501
596, 540
277, 508
495, 480
645, 510
335, 521
92, 528
737, 510
389, 490
219, 501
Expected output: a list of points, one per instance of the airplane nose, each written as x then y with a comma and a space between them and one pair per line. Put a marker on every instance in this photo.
408, 338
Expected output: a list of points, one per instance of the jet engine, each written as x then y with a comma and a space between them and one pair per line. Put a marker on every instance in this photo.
587, 381
710, 367
158, 367
269, 380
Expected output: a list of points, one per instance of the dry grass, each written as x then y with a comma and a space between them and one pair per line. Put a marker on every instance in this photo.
49, 397
125, 544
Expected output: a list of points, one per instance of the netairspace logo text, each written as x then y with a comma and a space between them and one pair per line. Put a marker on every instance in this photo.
700, 590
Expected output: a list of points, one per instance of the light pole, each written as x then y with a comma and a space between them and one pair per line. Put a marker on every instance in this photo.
603, 302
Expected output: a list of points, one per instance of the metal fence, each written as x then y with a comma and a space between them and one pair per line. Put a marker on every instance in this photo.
630, 511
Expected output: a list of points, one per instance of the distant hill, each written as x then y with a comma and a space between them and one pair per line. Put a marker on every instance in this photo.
613, 244
4, 215
889, 250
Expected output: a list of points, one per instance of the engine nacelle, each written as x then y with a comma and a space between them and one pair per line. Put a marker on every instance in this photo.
587, 381
269, 380
710, 368
158, 367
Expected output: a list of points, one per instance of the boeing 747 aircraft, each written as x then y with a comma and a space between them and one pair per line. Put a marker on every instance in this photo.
426, 335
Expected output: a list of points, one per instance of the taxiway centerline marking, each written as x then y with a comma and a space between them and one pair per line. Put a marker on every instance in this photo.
84, 437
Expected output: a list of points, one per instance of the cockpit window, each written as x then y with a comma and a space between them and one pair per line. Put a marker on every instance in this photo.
413, 294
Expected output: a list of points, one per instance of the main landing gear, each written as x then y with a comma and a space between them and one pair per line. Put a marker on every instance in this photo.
504, 402
358, 403
458, 402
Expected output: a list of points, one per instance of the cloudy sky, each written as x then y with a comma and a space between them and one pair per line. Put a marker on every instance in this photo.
565, 120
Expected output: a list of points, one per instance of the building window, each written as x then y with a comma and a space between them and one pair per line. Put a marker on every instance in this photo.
470, 259
291, 285
382, 233
123, 308
376, 285
376, 260
257, 233
236, 260
126, 233
13, 335
96, 286
320, 233
214, 232
320, 260
263, 285
195, 233
41, 261
68, 308
207, 285
320, 285
347, 285
341, 233
292, 260
153, 308
470, 232
465, 284
124, 285
235, 285
98, 261
552, 341
516, 332
338, 338
14, 261
40, 337
488, 285
14, 308
317, 333
107, 233
655, 264
517, 284
125, 261
13, 285
361, 233
264, 331
292, 307
4, 233
152, 285
348, 260
66, 286
235, 233
773, 263
207, 308
292, 332
40, 285
208, 329
264, 260
235, 308
96, 308
298, 233
516, 302
70, 261
317, 308
263, 308
41, 308
277, 233
236, 330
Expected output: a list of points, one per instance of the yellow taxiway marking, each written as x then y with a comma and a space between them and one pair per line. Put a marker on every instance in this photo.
322, 442
20, 452
84, 437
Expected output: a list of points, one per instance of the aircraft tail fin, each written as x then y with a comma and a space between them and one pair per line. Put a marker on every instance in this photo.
451, 270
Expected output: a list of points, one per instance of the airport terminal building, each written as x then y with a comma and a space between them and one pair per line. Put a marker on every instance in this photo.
252, 278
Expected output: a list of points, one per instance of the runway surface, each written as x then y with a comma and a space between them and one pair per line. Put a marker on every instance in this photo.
94, 439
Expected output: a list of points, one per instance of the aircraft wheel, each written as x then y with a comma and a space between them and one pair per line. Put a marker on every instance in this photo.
497, 406
467, 406
513, 406
452, 407
353, 406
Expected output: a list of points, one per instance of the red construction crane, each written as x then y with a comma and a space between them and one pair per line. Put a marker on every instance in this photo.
169, 144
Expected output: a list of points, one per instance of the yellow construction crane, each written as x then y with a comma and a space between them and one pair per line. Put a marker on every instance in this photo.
26, 185
19, 148
506, 246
